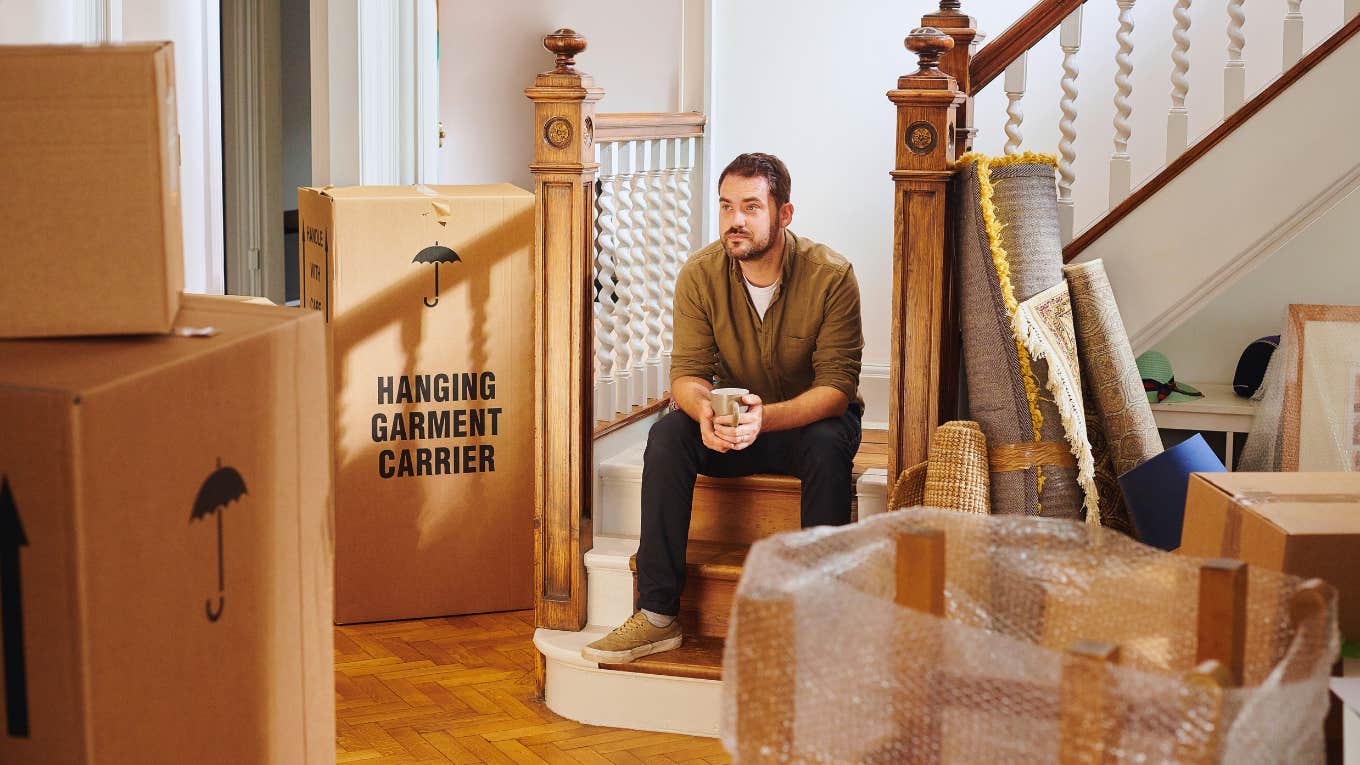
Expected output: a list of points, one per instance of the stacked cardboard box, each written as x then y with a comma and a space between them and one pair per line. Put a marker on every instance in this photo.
429, 293
165, 528
165, 524
90, 240
1306, 524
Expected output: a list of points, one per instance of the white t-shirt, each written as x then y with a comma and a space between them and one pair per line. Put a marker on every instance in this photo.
761, 296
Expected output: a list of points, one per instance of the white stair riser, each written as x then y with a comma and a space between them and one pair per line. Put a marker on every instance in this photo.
610, 596
633, 700
620, 509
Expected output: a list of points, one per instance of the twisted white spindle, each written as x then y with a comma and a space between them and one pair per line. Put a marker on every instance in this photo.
630, 376
1235, 71
1015, 90
1178, 119
676, 250
1069, 36
608, 319
654, 256
686, 180
1121, 167
1293, 33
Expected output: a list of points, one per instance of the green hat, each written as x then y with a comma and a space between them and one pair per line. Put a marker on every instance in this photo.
1160, 384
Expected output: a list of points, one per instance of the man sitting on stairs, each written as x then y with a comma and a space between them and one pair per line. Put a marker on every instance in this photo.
777, 314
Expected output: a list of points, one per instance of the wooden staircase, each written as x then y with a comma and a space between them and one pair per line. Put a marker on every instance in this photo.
729, 515
678, 691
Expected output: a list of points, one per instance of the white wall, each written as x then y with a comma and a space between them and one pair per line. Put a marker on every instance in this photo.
805, 79
38, 21
193, 27
490, 51
1320, 265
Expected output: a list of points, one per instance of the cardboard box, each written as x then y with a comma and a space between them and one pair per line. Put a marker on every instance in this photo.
90, 240
1306, 524
434, 394
166, 546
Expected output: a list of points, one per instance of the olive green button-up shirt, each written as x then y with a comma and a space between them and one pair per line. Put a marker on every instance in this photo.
810, 336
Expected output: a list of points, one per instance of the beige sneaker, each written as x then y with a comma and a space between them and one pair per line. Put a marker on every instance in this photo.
633, 639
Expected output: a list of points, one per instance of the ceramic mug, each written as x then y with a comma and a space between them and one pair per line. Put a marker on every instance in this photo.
727, 401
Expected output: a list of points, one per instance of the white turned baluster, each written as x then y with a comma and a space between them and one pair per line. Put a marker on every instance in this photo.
607, 317
688, 159
637, 314
1015, 90
626, 264
1178, 119
1293, 33
1235, 71
654, 254
1121, 167
676, 251
1070, 39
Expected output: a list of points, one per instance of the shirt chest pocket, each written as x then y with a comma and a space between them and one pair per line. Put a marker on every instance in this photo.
795, 352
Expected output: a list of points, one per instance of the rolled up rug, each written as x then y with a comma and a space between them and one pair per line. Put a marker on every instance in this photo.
1123, 432
1009, 250
1155, 490
1107, 358
954, 475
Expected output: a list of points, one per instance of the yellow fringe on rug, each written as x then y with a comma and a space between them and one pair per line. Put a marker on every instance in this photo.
1003, 274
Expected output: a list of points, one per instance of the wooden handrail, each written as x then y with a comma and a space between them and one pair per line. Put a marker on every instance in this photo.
643, 126
1209, 141
1018, 38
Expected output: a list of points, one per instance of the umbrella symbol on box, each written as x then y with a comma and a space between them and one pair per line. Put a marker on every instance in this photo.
436, 255
223, 487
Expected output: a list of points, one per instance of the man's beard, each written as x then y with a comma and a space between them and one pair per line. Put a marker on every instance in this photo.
759, 247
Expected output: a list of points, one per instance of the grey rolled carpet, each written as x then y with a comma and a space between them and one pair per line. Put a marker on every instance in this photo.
1013, 201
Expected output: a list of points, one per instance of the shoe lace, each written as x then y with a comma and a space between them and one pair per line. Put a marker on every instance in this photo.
635, 624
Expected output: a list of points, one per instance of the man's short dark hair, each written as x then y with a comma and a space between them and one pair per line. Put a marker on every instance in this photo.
761, 165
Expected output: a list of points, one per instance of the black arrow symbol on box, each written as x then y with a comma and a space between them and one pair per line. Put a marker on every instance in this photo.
12, 613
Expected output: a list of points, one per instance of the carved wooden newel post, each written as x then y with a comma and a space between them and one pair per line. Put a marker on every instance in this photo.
957, 62
924, 360
564, 187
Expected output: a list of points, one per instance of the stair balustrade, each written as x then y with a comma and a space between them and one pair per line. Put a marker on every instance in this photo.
643, 226
1083, 217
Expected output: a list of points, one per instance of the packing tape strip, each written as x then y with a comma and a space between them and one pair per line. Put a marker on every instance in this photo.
1270, 497
1006, 458
442, 211
1231, 545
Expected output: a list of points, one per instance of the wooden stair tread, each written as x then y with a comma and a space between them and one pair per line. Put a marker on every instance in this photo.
759, 482
873, 453
698, 657
710, 560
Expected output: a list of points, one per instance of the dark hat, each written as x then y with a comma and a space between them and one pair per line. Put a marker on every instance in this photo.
1251, 367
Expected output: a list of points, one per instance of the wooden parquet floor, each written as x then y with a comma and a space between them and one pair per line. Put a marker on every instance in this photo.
461, 689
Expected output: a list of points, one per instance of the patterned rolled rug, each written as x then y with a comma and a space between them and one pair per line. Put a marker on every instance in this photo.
1009, 252
1126, 433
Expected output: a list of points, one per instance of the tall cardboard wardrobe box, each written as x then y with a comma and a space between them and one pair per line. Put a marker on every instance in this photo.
165, 563
428, 294
90, 237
